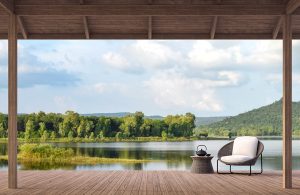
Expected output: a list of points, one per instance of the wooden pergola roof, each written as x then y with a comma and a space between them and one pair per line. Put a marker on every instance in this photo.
150, 19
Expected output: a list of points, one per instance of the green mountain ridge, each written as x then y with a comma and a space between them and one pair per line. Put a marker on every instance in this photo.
266, 120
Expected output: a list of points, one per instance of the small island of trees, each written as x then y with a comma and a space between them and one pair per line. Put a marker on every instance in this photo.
72, 126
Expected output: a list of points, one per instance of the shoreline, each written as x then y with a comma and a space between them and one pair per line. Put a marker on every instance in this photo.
136, 139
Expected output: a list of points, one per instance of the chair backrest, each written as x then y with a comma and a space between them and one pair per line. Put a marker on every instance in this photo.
245, 145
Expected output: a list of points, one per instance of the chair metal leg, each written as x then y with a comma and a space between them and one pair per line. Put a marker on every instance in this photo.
250, 171
261, 163
250, 168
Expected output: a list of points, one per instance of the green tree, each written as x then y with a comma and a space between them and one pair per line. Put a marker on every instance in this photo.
29, 130
45, 136
81, 128
3, 131
119, 136
53, 135
42, 128
61, 131
164, 135
70, 135
92, 136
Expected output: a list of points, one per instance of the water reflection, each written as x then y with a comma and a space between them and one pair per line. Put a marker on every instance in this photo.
167, 155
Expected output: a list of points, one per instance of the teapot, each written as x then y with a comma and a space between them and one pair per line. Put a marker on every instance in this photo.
201, 152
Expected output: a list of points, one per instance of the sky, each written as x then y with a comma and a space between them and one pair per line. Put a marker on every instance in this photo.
205, 77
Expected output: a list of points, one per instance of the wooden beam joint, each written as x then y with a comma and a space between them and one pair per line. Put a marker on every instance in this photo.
150, 27
8, 6
277, 27
292, 6
213, 27
22, 27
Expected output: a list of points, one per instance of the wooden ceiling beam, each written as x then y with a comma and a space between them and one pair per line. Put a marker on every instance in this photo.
249, 36
213, 27
150, 27
8, 5
149, 10
22, 27
85, 24
277, 27
86, 27
292, 6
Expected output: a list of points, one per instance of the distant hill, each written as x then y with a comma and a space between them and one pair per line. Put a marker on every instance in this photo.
209, 120
199, 120
266, 120
121, 114
117, 114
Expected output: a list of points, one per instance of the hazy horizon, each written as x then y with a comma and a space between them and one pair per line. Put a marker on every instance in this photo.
207, 78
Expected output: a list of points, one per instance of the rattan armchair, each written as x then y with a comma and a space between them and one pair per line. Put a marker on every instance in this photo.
226, 150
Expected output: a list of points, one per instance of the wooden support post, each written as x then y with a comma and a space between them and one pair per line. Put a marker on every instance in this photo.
12, 101
287, 102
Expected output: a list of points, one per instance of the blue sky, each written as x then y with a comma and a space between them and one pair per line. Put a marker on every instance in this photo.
207, 78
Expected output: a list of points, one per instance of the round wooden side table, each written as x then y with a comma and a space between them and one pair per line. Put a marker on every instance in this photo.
202, 164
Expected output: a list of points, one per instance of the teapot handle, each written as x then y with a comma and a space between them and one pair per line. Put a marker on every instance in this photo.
201, 145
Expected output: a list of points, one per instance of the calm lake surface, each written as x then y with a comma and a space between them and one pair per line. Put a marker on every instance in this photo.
168, 155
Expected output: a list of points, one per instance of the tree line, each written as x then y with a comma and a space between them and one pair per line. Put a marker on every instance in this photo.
71, 125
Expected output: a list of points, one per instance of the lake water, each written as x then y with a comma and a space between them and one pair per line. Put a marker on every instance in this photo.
167, 155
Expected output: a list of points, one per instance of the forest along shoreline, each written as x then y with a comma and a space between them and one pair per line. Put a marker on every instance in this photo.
264, 122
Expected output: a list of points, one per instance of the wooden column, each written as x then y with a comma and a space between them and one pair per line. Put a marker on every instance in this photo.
287, 102
12, 101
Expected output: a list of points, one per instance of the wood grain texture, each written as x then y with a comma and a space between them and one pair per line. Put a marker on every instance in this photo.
145, 182
277, 27
292, 6
150, 27
86, 27
22, 27
129, 19
213, 27
12, 101
8, 5
287, 103
149, 10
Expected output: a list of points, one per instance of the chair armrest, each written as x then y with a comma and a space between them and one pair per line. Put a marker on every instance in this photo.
226, 150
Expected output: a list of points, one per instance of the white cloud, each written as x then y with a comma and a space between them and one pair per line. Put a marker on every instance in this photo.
276, 79
65, 103
204, 55
260, 55
173, 89
143, 55
102, 87
117, 61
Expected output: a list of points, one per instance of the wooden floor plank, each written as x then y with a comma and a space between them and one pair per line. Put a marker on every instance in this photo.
145, 182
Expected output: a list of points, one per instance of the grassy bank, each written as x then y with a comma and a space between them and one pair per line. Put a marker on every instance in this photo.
78, 160
45, 153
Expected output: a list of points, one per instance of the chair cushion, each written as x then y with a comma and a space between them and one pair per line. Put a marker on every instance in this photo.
246, 146
235, 159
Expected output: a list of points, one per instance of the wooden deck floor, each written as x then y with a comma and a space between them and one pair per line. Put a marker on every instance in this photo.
145, 182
